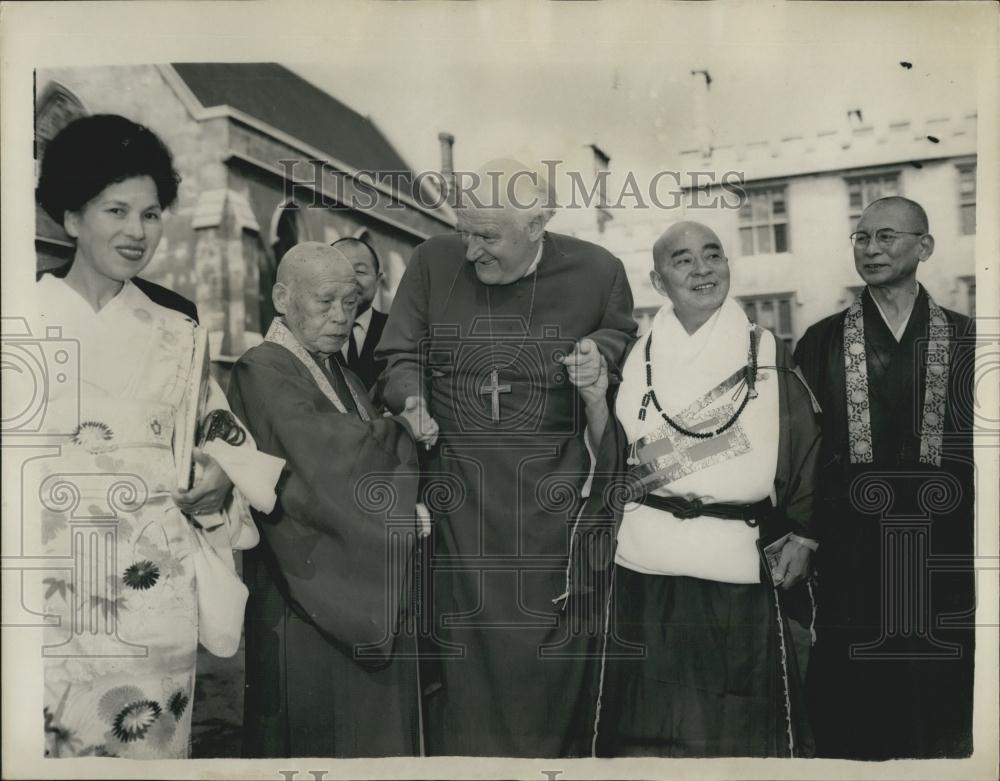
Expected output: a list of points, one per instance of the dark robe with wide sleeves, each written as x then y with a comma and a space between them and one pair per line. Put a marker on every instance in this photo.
722, 668
326, 674
516, 680
892, 672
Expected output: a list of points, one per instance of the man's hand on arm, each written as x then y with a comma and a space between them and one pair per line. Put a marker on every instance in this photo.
588, 371
584, 364
424, 427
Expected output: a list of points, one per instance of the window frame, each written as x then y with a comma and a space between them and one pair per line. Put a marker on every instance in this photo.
754, 224
963, 169
854, 214
789, 336
969, 282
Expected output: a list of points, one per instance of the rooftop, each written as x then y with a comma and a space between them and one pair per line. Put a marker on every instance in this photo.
837, 149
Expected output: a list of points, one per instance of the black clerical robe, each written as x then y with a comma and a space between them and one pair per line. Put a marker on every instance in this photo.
892, 670
326, 672
504, 484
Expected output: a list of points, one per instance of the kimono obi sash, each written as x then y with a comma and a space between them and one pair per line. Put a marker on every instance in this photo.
125, 435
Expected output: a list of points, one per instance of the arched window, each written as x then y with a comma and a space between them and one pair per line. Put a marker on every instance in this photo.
288, 228
55, 108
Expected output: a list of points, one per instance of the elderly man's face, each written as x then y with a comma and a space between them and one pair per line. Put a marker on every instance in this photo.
501, 243
897, 262
320, 308
693, 271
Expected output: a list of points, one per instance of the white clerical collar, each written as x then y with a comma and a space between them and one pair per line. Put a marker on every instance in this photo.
536, 261
897, 333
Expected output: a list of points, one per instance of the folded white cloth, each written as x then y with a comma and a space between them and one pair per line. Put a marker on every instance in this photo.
254, 473
222, 596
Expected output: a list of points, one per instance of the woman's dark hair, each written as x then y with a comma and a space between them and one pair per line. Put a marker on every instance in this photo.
92, 152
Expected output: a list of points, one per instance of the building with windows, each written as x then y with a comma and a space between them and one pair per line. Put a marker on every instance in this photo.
787, 234
267, 160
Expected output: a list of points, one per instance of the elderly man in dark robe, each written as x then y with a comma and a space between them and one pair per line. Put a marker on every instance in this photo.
893, 668
482, 328
330, 582
715, 436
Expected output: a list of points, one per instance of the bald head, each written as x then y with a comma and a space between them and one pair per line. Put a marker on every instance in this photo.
681, 235
502, 215
891, 240
317, 292
910, 213
303, 260
508, 184
691, 269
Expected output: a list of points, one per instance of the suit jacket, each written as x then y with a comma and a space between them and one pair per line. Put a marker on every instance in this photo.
158, 294
366, 366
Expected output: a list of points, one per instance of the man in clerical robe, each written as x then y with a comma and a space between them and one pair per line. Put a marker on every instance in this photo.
705, 643
483, 328
328, 673
893, 669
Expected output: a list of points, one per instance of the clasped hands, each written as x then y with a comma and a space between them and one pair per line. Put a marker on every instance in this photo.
424, 427
588, 371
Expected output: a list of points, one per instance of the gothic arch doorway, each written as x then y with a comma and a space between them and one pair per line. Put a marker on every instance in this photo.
288, 228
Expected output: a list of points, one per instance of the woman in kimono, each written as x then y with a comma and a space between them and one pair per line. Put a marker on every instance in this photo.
120, 662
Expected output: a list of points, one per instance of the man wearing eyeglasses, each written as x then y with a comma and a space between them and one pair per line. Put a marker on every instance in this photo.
892, 671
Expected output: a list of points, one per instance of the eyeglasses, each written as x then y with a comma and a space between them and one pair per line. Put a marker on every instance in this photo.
884, 237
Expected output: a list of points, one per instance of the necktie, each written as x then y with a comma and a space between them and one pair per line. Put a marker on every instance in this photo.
340, 386
352, 350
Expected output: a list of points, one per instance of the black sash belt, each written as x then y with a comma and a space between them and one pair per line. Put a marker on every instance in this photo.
750, 514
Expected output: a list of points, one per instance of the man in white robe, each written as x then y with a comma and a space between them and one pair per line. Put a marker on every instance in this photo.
719, 437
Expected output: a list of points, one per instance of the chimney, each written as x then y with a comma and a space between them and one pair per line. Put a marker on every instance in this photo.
447, 163
702, 128
601, 161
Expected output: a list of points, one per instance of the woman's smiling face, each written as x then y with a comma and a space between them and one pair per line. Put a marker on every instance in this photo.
118, 230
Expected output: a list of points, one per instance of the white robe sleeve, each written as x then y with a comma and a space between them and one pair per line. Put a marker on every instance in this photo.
221, 594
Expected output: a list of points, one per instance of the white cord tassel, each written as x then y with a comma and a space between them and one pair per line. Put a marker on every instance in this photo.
784, 675
604, 654
812, 620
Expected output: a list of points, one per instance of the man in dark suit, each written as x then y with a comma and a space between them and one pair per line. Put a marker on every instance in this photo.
358, 354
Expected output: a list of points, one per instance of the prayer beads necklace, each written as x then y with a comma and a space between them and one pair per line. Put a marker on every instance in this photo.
749, 377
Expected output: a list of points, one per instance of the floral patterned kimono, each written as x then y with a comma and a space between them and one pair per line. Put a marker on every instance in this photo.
120, 662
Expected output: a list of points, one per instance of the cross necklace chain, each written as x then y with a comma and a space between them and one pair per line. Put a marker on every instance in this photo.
493, 387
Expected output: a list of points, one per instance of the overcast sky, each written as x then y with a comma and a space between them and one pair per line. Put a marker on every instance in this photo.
544, 79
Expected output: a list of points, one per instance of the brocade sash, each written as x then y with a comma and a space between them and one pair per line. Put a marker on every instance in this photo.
859, 427
279, 334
